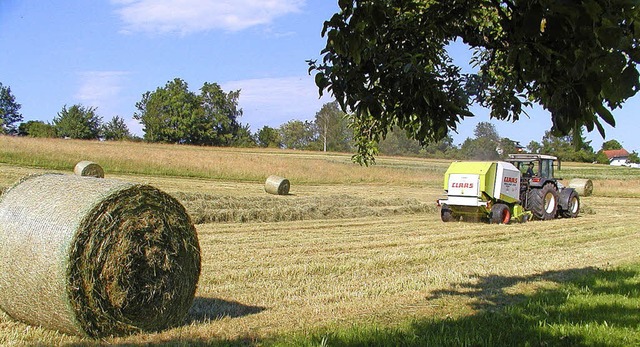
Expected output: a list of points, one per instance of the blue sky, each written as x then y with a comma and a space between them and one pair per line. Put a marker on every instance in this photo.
107, 53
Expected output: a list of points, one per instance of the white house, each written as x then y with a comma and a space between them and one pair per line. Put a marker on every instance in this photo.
617, 157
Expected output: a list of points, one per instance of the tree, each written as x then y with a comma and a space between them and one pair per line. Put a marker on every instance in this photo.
563, 147
116, 129
9, 111
386, 61
174, 114
242, 137
397, 143
36, 128
611, 144
333, 128
78, 122
269, 137
297, 134
534, 147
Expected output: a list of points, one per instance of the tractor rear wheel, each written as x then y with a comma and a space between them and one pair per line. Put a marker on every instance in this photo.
543, 202
500, 214
573, 207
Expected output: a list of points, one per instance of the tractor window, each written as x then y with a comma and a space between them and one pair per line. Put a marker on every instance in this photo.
546, 168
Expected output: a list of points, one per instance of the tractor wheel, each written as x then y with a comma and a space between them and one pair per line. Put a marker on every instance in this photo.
573, 207
543, 202
500, 214
446, 214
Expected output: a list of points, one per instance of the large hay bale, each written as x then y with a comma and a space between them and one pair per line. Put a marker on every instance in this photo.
277, 185
95, 257
583, 186
88, 168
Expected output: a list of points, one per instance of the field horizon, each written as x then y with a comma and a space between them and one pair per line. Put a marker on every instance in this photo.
359, 256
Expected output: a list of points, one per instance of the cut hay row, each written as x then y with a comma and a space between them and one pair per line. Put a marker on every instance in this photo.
95, 257
206, 208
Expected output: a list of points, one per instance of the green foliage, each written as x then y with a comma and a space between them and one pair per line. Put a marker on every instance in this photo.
563, 148
333, 128
116, 129
296, 134
78, 122
386, 61
534, 147
174, 114
269, 137
9, 111
634, 158
243, 138
36, 128
601, 158
396, 143
611, 144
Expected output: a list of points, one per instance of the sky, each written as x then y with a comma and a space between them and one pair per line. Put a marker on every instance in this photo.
107, 53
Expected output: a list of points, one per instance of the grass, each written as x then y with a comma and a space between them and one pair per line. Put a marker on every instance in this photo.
376, 271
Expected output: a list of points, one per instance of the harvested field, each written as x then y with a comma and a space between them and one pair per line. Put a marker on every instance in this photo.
367, 253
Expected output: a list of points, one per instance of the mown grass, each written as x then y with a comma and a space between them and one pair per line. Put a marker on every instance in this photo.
357, 261
585, 307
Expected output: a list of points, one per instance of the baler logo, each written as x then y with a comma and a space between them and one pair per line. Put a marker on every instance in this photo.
462, 185
510, 179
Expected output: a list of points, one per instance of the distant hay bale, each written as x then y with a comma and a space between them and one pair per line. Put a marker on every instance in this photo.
88, 168
277, 185
95, 257
583, 186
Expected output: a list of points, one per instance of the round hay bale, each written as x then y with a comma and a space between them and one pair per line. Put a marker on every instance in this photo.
583, 186
89, 169
95, 257
277, 185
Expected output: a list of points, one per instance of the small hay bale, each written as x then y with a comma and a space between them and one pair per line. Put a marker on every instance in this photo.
89, 169
583, 186
95, 257
277, 185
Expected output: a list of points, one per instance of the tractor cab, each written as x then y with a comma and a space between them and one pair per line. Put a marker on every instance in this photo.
536, 169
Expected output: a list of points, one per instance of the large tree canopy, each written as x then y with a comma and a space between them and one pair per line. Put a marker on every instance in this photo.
9, 111
174, 114
386, 61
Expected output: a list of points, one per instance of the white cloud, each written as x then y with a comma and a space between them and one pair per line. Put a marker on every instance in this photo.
275, 101
189, 16
101, 89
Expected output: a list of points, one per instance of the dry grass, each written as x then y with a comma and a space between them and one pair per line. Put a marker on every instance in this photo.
263, 279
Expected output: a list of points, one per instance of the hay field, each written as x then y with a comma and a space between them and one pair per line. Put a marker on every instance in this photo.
342, 249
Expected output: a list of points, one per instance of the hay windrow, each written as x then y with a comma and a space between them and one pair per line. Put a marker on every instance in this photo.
89, 169
95, 257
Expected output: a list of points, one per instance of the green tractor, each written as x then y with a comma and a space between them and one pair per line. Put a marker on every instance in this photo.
521, 188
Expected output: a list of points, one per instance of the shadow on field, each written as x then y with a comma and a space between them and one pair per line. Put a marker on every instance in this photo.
206, 309
584, 307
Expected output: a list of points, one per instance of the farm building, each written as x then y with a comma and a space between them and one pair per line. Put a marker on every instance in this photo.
617, 157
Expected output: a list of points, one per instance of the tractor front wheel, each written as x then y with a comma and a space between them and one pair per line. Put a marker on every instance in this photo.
543, 202
573, 207
500, 214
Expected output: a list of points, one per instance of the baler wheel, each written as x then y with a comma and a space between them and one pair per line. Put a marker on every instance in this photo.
446, 214
500, 214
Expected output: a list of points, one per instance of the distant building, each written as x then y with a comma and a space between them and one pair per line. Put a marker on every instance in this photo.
617, 157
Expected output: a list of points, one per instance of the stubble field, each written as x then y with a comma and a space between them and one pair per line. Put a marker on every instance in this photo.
351, 248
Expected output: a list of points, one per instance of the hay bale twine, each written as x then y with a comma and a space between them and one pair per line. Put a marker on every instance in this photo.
89, 169
95, 257
583, 186
277, 185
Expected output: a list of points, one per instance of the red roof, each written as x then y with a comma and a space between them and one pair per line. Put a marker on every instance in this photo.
616, 153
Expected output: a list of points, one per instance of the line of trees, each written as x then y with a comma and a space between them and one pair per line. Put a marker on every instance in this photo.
174, 114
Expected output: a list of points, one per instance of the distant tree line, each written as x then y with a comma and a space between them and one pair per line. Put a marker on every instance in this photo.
174, 114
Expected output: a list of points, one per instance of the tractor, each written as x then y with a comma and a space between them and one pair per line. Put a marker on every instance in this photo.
521, 188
